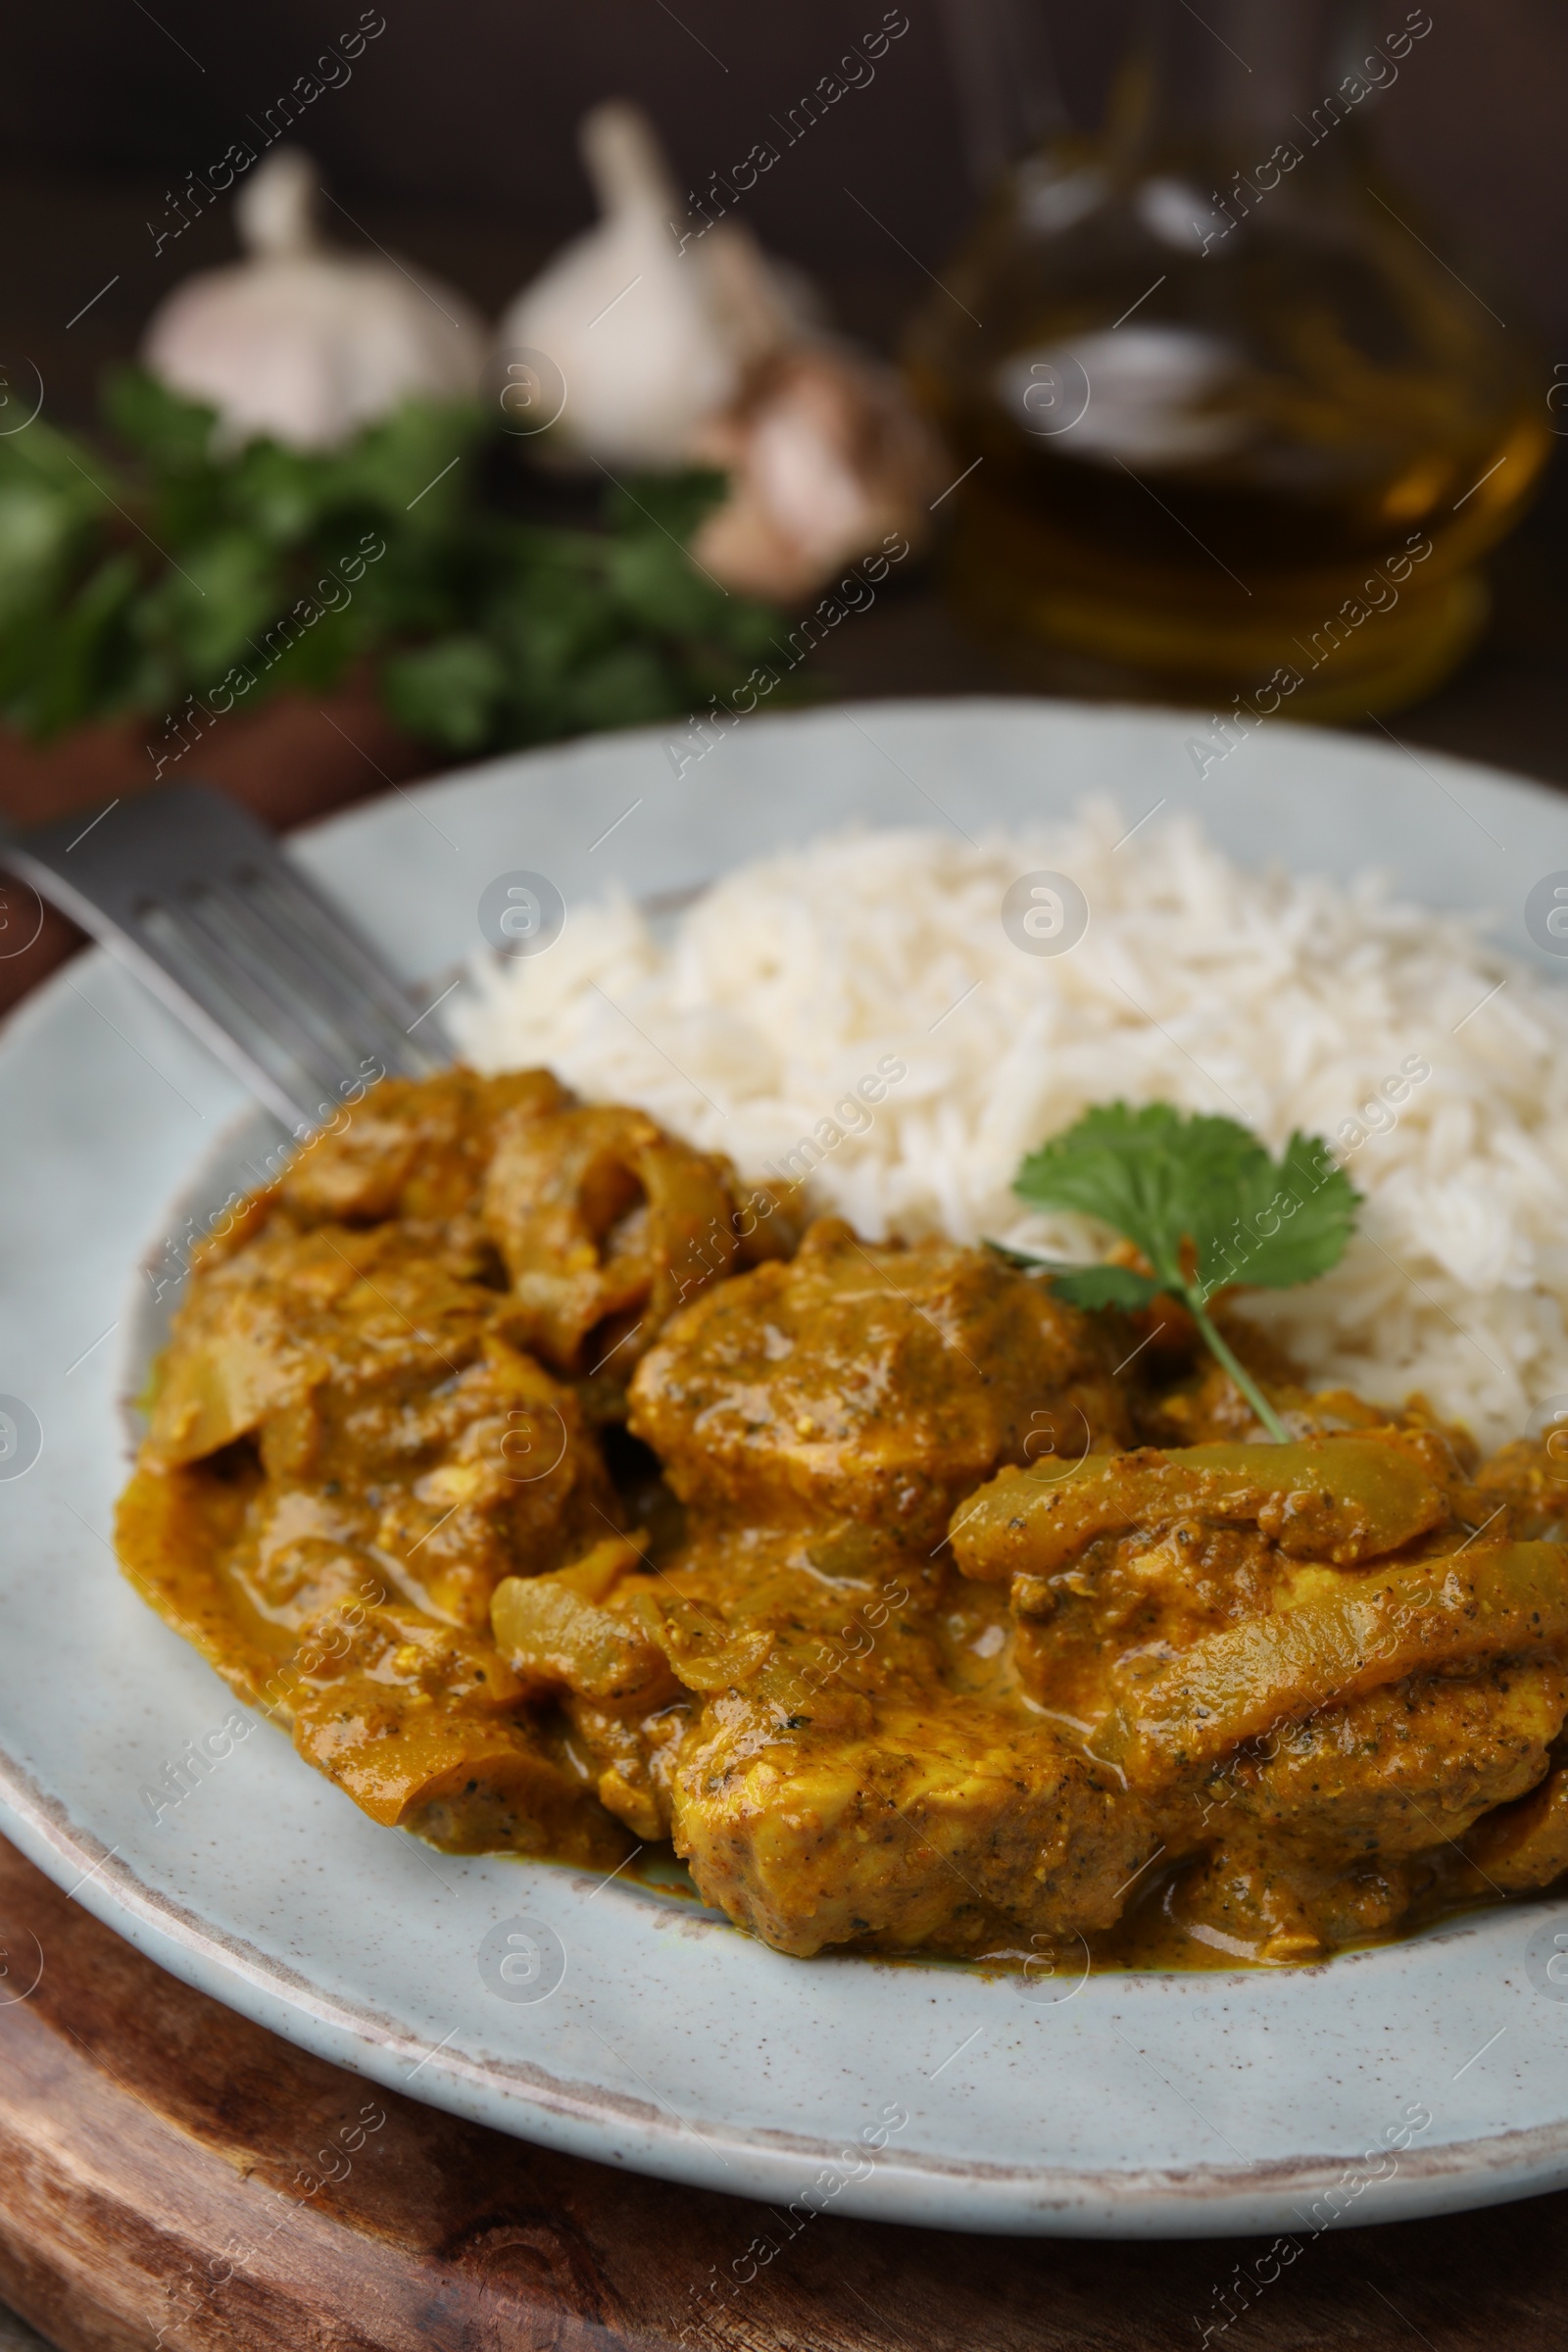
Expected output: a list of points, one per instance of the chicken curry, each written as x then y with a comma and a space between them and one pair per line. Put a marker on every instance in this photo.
565, 1499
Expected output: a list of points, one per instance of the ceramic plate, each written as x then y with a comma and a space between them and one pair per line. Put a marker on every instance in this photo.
603, 2018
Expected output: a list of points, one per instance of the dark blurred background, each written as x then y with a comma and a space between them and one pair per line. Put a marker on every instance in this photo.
452, 142
455, 134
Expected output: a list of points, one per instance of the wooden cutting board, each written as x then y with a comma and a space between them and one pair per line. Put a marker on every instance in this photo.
163, 2183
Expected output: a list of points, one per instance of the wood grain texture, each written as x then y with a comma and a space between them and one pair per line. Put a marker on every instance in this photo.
155, 2155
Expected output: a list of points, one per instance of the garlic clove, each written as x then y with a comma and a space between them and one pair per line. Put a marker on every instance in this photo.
301, 341
827, 456
651, 339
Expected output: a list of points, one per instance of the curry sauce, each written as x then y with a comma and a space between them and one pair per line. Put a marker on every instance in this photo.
563, 1498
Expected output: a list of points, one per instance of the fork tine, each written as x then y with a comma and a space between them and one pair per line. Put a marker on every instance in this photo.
332, 1038
216, 957
205, 989
290, 922
188, 890
333, 949
198, 1000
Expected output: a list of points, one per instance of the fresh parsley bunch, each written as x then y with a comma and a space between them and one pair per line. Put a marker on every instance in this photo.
128, 582
1204, 1203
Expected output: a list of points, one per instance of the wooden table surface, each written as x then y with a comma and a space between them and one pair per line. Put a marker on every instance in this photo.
157, 2154
153, 2146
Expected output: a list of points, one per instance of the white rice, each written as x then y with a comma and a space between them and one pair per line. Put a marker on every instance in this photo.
1284, 1002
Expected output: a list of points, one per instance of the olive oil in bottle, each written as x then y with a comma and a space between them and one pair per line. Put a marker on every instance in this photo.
1236, 431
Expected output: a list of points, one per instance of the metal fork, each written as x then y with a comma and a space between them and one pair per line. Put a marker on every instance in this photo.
186, 888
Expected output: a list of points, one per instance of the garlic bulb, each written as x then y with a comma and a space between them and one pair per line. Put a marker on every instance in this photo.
827, 454
682, 346
303, 342
651, 339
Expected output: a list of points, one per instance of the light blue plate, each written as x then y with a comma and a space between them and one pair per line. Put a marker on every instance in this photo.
1139, 2105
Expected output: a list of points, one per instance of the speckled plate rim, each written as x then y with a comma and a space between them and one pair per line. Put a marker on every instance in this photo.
1427, 2077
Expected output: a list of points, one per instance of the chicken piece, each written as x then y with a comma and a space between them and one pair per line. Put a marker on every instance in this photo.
845, 1759
490, 1474
413, 1147
902, 1824
865, 1382
625, 1756
780, 1613
628, 1651
421, 1728
486, 1473
1331, 1828
1407, 1766
1524, 1845
292, 1314
606, 1224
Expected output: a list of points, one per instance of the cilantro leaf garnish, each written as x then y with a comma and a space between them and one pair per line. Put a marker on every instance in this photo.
1085, 1286
162, 575
1206, 1206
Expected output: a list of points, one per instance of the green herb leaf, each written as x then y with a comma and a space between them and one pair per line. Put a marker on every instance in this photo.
448, 692
1203, 1202
1291, 1220
1162, 1178
1084, 1285
175, 433
196, 570
1105, 1286
1124, 1168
